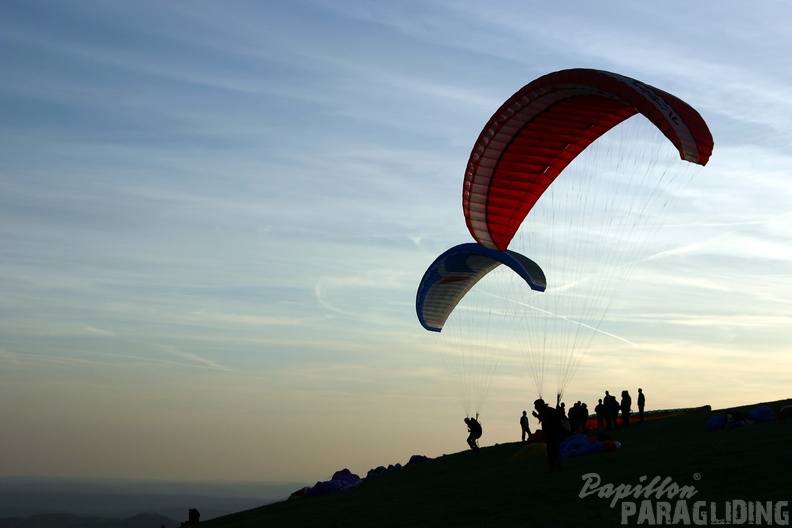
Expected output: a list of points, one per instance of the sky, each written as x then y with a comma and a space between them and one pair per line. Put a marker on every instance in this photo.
214, 218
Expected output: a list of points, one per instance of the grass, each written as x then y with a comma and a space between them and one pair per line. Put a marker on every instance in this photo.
490, 489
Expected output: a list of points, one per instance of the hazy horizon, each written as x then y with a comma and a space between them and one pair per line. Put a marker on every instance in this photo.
122, 498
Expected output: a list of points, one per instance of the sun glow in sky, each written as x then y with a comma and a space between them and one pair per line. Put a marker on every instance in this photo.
214, 217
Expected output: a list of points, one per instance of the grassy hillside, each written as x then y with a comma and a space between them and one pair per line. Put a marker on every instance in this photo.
751, 463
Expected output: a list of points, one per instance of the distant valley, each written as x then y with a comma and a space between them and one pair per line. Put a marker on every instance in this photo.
73, 503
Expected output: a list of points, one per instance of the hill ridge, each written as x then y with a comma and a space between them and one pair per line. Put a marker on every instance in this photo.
492, 489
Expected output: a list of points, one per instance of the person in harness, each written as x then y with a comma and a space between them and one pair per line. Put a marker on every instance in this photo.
474, 428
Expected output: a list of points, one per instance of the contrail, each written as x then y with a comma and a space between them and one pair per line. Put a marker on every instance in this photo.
559, 316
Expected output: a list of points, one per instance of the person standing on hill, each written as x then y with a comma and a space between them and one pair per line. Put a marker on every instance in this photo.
583, 418
611, 411
600, 411
474, 428
626, 404
574, 417
526, 430
553, 432
641, 404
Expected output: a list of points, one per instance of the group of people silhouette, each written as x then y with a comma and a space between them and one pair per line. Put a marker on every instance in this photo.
557, 423
608, 408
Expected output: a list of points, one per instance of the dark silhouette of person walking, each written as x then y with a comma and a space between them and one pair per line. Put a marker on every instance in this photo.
474, 428
626, 403
641, 404
526, 430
